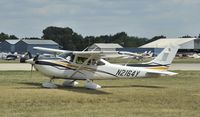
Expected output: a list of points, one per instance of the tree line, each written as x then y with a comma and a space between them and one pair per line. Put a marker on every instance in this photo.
70, 40
4, 36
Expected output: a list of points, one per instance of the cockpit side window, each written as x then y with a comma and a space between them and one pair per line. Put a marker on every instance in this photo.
92, 62
95, 62
100, 63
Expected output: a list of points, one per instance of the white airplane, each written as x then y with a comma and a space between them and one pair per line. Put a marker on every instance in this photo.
196, 56
89, 66
138, 56
147, 54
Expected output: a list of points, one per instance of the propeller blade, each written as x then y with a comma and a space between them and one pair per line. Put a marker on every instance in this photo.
35, 58
32, 62
31, 70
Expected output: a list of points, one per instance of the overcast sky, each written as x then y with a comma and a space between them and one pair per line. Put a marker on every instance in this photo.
143, 18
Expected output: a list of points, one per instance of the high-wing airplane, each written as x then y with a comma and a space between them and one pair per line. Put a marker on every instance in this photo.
90, 65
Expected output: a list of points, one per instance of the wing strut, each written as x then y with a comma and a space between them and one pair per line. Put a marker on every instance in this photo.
84, 63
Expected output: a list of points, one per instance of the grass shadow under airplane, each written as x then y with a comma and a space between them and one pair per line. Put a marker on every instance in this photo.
84, 90
129, 86
73, 89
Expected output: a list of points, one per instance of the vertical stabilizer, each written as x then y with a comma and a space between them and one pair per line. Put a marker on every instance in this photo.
166, 56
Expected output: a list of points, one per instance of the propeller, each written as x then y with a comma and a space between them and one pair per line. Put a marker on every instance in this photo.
31, 70
36, 58
32, 65
32, 62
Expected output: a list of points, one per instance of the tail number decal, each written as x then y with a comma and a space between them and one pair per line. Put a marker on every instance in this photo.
128, 73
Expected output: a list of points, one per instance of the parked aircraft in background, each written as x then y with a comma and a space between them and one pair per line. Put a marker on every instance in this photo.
8, 56
148, 54
90, 65
11, 57
197, 56
137, 56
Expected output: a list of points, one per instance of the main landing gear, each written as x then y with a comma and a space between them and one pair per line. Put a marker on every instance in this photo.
71, 83
67, 83
90, 85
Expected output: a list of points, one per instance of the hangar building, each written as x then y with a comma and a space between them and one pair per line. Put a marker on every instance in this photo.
8, 45
104, 47
186, 44
22, 46
27, 45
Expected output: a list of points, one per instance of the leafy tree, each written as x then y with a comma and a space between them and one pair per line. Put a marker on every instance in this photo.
71, 40
120, 38
156, 38
136, 42
4, 36
77, 40
13, 37
88, 40
65, 37
186, 36
32, 38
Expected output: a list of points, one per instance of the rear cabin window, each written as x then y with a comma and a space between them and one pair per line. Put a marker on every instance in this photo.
80, 60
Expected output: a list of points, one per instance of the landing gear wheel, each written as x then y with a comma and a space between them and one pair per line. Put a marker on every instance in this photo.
70, 83
49, 85
90, 85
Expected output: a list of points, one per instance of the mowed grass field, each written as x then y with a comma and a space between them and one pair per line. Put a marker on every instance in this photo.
176, 96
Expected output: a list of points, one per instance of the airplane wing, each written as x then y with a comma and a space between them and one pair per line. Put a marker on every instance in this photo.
106, 54
51, 50
95, 54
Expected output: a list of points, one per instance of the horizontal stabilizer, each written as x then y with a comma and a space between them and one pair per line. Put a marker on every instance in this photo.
161, 73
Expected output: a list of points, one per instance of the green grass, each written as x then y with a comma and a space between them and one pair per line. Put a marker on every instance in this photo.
10, 61
177, 96
186, 60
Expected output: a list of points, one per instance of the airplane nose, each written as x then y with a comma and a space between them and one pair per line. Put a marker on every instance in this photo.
31, 61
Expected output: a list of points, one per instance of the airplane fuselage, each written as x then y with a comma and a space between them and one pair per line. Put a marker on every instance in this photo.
66, 70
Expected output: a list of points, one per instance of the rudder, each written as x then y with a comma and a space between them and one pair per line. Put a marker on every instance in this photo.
166, 56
